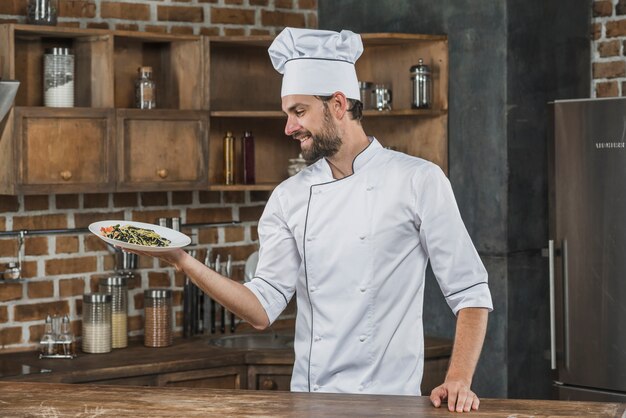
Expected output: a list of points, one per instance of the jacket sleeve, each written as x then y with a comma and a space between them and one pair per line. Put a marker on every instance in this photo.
460, 273
276, 274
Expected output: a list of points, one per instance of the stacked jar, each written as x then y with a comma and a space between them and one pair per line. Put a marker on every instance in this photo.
158, 318
97, 323
116, 286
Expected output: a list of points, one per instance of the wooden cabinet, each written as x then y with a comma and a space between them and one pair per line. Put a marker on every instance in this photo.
206, 86
230, 377
269, 377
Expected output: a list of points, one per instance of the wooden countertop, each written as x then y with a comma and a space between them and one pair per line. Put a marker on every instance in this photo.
136, 360
26, 399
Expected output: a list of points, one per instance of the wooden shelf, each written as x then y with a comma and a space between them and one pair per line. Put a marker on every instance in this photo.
242, 187
368, 113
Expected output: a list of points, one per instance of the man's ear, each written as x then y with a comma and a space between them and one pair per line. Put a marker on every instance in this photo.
338, 104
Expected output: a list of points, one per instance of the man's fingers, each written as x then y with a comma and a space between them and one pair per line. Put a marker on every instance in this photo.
437, 395
469, 400
476, 403
452, 396
461, 398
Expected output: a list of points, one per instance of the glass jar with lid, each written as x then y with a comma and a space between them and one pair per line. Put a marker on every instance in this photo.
158, 317
42, 12
58, 77
117, 287
96, 323
145, 89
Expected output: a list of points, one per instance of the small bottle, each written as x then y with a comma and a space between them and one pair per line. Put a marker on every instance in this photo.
247, 157
47, 340
229, 158
66, 338
145, 89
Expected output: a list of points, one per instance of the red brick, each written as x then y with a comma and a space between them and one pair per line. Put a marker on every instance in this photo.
77, 8
179, 279
620, 7
182, 198
29, 269
8, 247
36, 245
209, 197
596, 31
10, 291
609, 49
201, 215
135, 323
127, 27
260, 32
208, 236
98, 25
127, 11
3, 225
66, 244
79, 308
180, 14
39, 311
70, 265
208, 1
234, 197
39, 202
154, 29
212, 31
159, 279
121, 200
307, 4
9, 203
4, 314
71, 287
95, 200
283, 4
153, 199
250, 213
254, 233
311, 20
233, 16
13, 7
235, 2
181, 30
10, 336
36, 332
282, 19
153, 216
93, 243
258, 2
233, 233
615, 28
67, 201
609, 69
234, 31
58, 221
177, 298
82, 220
138, 300
607, 89
259, 196
602, 8
69, 24
239, 252
38, 290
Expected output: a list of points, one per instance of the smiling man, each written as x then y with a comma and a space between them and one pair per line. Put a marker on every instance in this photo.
350, 237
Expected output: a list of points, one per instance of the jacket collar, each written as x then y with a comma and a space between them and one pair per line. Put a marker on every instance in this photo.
359, 162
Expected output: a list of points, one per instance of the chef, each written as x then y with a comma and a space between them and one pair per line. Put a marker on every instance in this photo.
350, 237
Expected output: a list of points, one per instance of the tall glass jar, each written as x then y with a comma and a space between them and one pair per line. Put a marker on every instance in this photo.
158, 317
42, 12
145, 89
58, 77
97, 323
117, 287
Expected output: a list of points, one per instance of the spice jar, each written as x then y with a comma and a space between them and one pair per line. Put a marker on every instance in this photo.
116, 286
229, 158
158, 317
42, 12
97, 323
58, 77
145, 89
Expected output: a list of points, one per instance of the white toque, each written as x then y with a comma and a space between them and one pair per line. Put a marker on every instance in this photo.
317, 62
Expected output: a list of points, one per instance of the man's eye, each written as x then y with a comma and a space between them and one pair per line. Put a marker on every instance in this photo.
299, 113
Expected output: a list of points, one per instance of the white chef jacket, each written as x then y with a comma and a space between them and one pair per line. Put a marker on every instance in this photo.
355, 251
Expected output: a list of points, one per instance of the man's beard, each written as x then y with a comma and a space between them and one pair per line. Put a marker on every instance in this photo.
324, 144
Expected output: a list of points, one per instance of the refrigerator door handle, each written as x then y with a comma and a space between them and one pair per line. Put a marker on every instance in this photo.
552, 306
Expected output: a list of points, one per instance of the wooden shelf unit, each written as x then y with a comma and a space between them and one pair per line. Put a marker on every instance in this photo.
206, 86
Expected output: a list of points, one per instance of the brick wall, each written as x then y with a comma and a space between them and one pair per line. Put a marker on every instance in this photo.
608, 48
58, 269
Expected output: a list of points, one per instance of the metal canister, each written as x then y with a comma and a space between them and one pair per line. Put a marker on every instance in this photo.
422, 86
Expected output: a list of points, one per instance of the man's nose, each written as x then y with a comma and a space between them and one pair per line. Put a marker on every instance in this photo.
291, 126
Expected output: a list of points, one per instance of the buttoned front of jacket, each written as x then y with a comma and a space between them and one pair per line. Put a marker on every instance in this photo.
355, 251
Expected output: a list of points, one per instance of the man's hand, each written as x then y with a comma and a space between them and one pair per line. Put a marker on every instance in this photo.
174, 257
460, 397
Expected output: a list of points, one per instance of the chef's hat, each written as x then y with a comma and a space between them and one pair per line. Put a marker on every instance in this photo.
317, 62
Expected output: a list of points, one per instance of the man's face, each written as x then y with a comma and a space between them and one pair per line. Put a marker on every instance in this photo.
310, 122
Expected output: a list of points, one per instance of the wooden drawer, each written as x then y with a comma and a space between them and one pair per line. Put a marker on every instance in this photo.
270, 377
229, 377
64, 149
162, 149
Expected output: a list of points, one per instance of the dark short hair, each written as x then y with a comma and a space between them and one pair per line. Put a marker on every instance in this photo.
355, 107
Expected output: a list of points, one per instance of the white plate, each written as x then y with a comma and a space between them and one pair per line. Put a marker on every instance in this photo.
177, 239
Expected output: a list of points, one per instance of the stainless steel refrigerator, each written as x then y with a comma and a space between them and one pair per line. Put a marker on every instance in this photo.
587, 183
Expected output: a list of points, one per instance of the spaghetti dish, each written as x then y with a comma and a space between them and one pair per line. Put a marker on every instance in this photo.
133, 235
